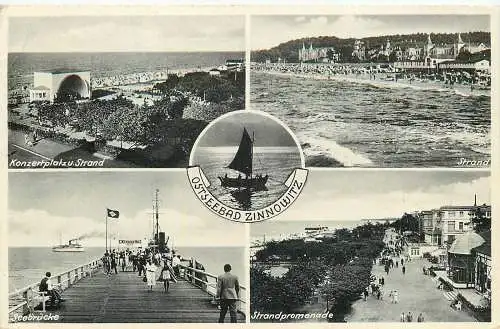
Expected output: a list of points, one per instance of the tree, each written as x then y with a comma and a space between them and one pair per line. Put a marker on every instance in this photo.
55, 114
479, 219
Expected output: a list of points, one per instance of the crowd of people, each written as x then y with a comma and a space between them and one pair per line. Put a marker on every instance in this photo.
384, 72
392, 257
146, 262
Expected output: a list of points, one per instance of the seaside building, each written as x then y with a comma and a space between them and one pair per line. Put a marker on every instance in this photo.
431, 226
235, 64
469, 262
456, 220
321, 54
359, 50
63, 85
461, 259
482, 266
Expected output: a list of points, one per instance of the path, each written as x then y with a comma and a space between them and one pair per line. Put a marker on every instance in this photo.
124, 298
417, 293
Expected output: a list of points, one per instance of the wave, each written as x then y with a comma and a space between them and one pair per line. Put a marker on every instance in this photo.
344, 155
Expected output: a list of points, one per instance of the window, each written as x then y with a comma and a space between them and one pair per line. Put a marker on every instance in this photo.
451, 226
460, 226
461, 214
451, 213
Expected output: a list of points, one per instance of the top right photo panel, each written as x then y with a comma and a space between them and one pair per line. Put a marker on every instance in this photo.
378, 90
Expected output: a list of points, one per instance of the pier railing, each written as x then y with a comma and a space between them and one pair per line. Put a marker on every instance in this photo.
24, 300
208, 283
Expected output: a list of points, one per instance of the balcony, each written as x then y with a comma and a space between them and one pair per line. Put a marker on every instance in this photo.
430, 230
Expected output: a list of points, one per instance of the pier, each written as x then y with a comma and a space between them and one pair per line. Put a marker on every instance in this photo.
93, 297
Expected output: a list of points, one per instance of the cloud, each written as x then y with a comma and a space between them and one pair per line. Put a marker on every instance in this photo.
322, 20
380, 205
99, 34
39, 228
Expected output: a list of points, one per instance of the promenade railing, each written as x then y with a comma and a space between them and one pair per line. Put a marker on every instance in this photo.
208, 283
24, 300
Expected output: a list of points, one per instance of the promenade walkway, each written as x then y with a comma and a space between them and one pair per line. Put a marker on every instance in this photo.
417, 293
124, 297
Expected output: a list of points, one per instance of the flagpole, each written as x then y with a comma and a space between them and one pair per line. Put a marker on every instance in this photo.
106, 230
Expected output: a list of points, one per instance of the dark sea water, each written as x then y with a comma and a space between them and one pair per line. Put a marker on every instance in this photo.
28, 265
360, 124
277, 162
22, 65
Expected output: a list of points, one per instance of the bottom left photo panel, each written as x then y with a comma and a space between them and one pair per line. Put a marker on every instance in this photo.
117, 247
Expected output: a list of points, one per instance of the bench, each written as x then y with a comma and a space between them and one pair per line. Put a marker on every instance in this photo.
39, 297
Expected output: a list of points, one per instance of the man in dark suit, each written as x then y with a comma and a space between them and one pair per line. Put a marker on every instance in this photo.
228, 290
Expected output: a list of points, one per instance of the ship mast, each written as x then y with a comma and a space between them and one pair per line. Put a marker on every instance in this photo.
251, 154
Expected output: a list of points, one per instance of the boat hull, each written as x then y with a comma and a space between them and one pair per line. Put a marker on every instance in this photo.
252, 183
71, 249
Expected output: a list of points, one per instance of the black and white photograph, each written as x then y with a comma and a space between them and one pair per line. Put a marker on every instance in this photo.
119, 91
120, 247
377, 246
247, 157
378, 90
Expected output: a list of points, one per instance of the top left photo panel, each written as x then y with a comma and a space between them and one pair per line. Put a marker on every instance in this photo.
119, 91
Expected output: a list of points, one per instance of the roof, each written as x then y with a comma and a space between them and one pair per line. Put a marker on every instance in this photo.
41, 88
456, 208
62, 70
464, 243
485, 248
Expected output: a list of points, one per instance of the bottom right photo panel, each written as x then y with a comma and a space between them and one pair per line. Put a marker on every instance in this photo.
377, 246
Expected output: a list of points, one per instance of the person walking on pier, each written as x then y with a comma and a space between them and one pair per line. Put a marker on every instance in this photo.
228, 290
150, 274
403, 269
113, 262
176, 261
165, 276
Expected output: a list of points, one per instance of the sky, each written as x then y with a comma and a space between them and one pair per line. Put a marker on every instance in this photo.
126, 33
44, 205
227, 130
270, 31
340, 196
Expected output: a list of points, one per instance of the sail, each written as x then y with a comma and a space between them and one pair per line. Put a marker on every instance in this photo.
242, 161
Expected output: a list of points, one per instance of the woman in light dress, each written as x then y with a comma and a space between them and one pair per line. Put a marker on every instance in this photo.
150, 274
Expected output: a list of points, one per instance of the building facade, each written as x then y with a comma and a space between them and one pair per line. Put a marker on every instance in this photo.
61, 84
321, 54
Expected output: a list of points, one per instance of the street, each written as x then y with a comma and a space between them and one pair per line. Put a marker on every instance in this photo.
417, 292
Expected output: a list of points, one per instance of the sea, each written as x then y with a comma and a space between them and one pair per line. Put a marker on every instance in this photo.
363, 124
277, 162
277, 229
27, 265
22, 65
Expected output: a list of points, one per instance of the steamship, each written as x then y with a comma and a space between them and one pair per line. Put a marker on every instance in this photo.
72, 246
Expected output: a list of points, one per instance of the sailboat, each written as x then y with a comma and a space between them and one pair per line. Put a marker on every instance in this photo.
243, 162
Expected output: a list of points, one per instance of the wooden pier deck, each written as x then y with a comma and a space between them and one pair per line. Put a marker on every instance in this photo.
124, 297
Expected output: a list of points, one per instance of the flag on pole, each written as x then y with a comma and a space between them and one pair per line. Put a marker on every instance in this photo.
112, 213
